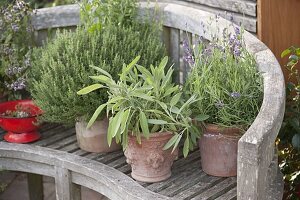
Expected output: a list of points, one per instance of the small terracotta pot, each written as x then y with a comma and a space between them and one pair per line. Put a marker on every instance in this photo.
149, 162
218, 148
94, 139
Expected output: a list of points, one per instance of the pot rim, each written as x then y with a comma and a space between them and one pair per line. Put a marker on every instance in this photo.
21, 101
231, 132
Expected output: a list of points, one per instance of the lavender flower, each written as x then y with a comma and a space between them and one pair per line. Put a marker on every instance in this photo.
19, 84
188, 57
235, 95
219, 104
15, 27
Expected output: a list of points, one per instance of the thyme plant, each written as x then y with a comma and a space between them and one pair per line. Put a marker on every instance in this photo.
62, 67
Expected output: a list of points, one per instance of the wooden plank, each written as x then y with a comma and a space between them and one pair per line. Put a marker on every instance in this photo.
76, 191
63, 184
71, 147
166, 38
230, 195
205, 183
118, 163
191, 176
56, 137
50, 133
109, 157
35, 186
239, 6
217, 190
175, 50
177, 173
249, 22
63, 142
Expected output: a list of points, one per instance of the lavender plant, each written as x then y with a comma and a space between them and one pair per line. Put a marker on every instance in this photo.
15, 47
225, 78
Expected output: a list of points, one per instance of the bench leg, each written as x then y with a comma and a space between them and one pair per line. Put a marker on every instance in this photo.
65, 189
35, 186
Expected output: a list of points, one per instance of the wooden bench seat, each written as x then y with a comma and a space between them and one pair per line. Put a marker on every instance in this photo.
188, 181
58, 155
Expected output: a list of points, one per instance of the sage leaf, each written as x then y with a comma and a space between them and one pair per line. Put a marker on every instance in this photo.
95, 115
144, 124
156, 121
175, 99
89, 89
101, 71
186, 146
171, 142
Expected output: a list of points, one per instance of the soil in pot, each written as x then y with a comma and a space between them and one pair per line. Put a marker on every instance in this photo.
218, 148
94, 139
149, 162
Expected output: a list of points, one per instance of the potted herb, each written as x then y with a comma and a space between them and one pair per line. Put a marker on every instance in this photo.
230, 89
148, 116
69, 57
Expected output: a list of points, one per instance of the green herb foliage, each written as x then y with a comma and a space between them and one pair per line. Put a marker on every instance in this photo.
289, 135
143, 102
15, 47
62, 67
97, 14
225, 77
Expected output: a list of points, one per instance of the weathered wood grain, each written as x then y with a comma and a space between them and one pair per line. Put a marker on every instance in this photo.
256, 148
35, 186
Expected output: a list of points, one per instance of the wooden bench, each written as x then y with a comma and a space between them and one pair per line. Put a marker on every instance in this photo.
57, 154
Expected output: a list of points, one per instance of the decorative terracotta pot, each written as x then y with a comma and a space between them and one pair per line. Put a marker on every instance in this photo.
218, 148
149, 162
20, 129
94, 139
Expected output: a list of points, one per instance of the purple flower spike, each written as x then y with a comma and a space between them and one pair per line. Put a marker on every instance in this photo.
219, 104
235, 95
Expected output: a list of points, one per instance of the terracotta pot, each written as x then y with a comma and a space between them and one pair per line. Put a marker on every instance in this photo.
218, 148
94, 139
149, 162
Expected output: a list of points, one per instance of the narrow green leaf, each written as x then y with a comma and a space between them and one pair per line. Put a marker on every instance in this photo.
102, 79
285, 53
142, 96
101, 71
89, 89
157, 121
171, 142
144, 124
95, 115
163, 63
171, 90
124, 121
176, 143
175, 110
186, 146
201, 118
130, 66
175, 99
116, 123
